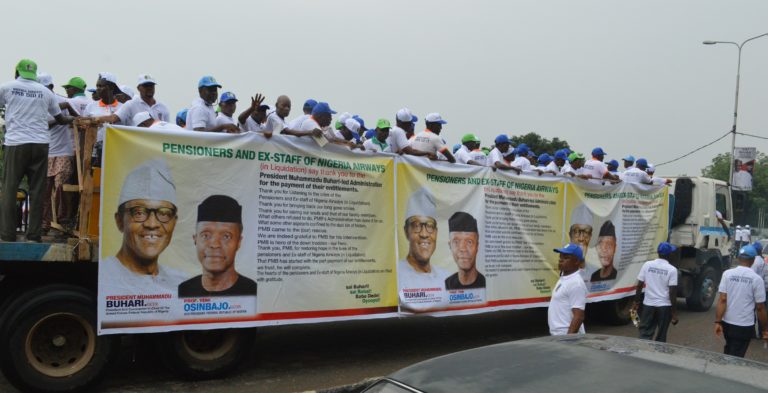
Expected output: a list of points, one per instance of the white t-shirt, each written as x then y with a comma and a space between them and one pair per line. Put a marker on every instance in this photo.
567, 168
274, 123
397, 139
522, 163
635, 175
126, 112
428, 141
552, 167
309, 124
222, 119
375, 145
477, 155
744, 288
79, 103
658, 181
432, 283
758, 266
595, 169
658, 275
201, 115
165, 126
62, 142
296, 123
27, 106
570, 292
97, 109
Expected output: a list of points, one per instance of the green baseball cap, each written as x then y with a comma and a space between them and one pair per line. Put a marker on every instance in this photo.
383, 123
27, 69
337, 125
575, 156
76, 82
470, 138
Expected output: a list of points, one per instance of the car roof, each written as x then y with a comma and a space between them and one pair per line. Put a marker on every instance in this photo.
594, 363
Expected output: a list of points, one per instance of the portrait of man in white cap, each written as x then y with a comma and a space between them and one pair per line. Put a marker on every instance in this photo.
217, 238
421, 285
146, 215
580, 233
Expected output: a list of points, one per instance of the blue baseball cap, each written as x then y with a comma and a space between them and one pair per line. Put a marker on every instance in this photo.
91, 90
532, 154
455, 148
641, 163
310, 103
666, 248
571, 249
359, 120
208, 81
355, 136
522, 150
322, 107
561, 154
758, 247
502, 139
613, 163
747, 252
182, 115
629, 158
598, 151
545, 158
567, 151
370, 134
227, 96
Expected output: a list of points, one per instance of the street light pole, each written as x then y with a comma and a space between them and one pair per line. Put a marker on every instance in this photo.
736, 103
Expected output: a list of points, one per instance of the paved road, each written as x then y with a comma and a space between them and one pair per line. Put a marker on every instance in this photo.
300, 358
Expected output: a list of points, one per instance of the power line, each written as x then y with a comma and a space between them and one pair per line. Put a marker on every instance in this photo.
694, 151
753, 136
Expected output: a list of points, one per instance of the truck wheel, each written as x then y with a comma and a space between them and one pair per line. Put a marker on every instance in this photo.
51, 344
704, 291
617, 311
205, 354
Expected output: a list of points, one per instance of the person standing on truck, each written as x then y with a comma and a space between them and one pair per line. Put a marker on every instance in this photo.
596, 169
429, 140
218, 235
146, 215
421, 285
309, 105
565, 314
201, 115
146, 102
502, 155
380, 142
629, 162
405, 122
472, 155
636, 174
27, 107
75, 89
742, 293
228, 106
659, 305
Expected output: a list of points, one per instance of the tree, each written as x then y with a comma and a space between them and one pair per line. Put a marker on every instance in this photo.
538, 144
746, 204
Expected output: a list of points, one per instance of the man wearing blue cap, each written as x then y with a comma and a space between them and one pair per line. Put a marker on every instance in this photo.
613, 167
742, 293
629, 162
561, 161
596, 169
228, 106
295, 124
320, 119
181, 118
521, 162
502, 155
565, 314
637, 173
659, 305
758, 266
201, 115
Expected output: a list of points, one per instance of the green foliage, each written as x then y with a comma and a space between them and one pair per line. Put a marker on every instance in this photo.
538, 144
746, 205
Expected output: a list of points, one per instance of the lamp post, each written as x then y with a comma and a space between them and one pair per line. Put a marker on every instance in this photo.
736, 104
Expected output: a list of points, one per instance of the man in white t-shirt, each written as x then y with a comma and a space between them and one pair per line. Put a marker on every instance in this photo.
629, 162
77, 99
296, 123
636, 174
502, 155
27, 107
228, 106
657, 181
521, 162
596, 169
274, 121
472, 155
565, 314
429, 140
659, 305
201, 115
380, 142
146, 102
317, 124
103, 109
742, 293
402, 132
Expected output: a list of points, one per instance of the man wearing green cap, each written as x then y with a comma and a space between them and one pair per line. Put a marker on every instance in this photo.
472, 155
217, 237
27, 107
76, 97
380, 142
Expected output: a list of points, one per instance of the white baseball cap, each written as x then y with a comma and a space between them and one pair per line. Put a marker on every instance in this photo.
746, 226
141, 117
650, 168
405, 115
127, 91
108, 76
44, 78
352, 124
144, 79
435, 118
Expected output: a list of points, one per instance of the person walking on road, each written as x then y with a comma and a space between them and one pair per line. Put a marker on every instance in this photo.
565, 314
742, 292
660, 280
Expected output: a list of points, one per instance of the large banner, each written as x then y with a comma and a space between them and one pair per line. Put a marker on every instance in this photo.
207, 230
743, 167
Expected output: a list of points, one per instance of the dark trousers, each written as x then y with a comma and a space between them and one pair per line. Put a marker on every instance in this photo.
737, 338
29, 160
655, 320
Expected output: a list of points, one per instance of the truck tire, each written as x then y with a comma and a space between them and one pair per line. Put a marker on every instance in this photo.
616, 312
49, 343
704, 290
205, 354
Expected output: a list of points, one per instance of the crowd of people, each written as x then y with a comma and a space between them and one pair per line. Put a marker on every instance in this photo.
39, 141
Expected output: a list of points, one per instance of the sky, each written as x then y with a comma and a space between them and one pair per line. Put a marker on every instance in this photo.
629, 76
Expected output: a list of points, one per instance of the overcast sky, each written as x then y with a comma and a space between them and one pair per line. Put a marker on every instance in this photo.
630, 76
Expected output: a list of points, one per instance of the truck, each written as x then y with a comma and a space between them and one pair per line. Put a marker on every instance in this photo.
49, 339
